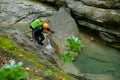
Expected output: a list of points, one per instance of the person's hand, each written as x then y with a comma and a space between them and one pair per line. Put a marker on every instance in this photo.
53, 32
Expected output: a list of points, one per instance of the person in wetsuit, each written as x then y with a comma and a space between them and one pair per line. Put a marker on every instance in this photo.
38, 26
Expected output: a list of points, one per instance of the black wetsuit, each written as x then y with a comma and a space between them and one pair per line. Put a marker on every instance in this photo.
38, 35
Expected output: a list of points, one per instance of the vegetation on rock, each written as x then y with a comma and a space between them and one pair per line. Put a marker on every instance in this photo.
13, 71
39, 68
72, 49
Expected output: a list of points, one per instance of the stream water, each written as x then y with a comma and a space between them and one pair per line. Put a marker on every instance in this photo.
98, 58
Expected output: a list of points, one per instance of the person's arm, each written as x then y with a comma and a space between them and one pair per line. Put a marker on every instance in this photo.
50, 30
41, 20
35, 31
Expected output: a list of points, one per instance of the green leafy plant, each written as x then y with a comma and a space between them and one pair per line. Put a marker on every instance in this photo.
66, 56
13, 71
72, 48
48, 72
74, 44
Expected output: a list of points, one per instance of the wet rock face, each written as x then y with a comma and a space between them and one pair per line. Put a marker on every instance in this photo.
12, 11
64, 26
106, 21
103, 3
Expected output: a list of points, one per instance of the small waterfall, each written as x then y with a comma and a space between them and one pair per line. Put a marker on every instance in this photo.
48, 49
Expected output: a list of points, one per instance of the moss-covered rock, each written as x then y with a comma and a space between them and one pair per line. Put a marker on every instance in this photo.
36, 66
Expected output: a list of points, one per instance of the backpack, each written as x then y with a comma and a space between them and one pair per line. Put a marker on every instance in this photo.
36, 23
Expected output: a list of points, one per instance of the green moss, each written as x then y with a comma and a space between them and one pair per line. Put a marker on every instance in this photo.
8, 46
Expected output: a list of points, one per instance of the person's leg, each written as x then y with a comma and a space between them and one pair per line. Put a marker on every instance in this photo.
32, 33
40, 39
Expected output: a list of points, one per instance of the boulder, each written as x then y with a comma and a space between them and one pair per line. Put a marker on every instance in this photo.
64, 26
104, 21
12, 11
15, 44
103, 3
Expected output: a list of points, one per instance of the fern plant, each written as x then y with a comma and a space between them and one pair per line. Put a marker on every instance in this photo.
72, 48
13, 71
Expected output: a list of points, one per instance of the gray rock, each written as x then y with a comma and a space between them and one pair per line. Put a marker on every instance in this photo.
21, 39
103, 3
64, 26
103, 16
13, 11
105, 21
